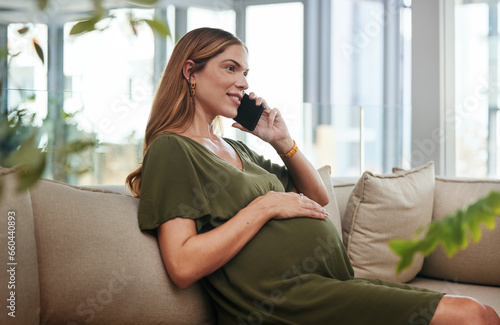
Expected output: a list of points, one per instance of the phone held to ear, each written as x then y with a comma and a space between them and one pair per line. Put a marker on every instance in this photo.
248, 113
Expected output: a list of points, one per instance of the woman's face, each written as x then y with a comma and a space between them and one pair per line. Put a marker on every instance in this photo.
220, 85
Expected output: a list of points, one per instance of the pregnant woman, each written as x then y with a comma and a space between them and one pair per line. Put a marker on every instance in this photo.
253, 232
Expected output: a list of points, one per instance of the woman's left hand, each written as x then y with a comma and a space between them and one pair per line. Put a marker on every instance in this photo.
271, 127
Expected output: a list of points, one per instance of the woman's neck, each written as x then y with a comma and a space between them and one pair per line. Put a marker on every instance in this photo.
199, 130
201, 126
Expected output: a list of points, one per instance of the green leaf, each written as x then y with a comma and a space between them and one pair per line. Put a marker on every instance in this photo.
83, 27
32, 173
27, 151
33, 159
42, 4
159, 26
39, 50
493, 202
144, 2
405, 249
134, 29
23, 31
76, 146
450, 231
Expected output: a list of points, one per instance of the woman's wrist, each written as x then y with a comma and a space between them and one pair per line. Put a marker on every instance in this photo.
291, 152
258, 211
284, 146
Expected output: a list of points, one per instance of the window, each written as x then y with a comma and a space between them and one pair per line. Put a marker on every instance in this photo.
215, 18
110, 85
476, 88
274, 36
27, 78
369, 91
107, 79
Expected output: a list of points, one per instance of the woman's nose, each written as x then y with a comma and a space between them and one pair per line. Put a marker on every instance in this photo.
242, 82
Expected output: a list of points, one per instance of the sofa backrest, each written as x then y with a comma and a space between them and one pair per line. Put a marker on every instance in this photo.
96, 266
78, 257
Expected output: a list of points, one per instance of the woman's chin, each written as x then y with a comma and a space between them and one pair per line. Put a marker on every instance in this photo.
230, 114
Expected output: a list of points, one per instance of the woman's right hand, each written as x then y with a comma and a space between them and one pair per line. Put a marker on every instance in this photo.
279, 205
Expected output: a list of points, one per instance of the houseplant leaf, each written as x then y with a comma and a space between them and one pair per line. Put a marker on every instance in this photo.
83, 26
38, 50
158, 26
451, 231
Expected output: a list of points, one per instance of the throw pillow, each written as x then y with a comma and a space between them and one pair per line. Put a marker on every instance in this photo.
385, 207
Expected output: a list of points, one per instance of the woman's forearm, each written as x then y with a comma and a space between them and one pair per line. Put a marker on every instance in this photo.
189, 257
306, 177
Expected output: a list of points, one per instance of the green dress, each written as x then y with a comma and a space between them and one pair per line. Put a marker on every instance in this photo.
294, 271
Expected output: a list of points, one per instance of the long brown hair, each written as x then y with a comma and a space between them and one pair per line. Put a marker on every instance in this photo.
172, 109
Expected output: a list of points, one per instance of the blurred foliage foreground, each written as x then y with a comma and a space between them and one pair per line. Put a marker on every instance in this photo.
46, 149
451, 231
29, 146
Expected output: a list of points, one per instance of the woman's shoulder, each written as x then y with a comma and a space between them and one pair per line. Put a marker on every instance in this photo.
169, 145
172, 140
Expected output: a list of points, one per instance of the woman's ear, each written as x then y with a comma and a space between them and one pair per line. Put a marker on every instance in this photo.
186, 69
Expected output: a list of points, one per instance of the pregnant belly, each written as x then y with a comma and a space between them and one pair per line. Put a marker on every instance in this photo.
292, 247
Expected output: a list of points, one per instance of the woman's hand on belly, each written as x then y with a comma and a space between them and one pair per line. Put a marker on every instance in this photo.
189, 256
287, 205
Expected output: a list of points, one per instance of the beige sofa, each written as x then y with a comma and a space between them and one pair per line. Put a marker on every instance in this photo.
75, 255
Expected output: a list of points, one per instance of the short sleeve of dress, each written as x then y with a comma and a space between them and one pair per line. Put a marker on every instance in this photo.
279, 170
170, 187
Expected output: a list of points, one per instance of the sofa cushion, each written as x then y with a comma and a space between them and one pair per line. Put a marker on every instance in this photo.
332, 206
385, 207
487, 295
20, 292
97, 267
343, 187
479, 262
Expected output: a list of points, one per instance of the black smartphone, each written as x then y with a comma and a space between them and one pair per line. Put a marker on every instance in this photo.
248, 113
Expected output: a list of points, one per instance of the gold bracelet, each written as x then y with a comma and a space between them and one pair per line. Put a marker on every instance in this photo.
290, 153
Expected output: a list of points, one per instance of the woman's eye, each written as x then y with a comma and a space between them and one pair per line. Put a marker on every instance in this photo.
230, 68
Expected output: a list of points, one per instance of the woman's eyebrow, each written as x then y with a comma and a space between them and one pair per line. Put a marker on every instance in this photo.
236, 63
